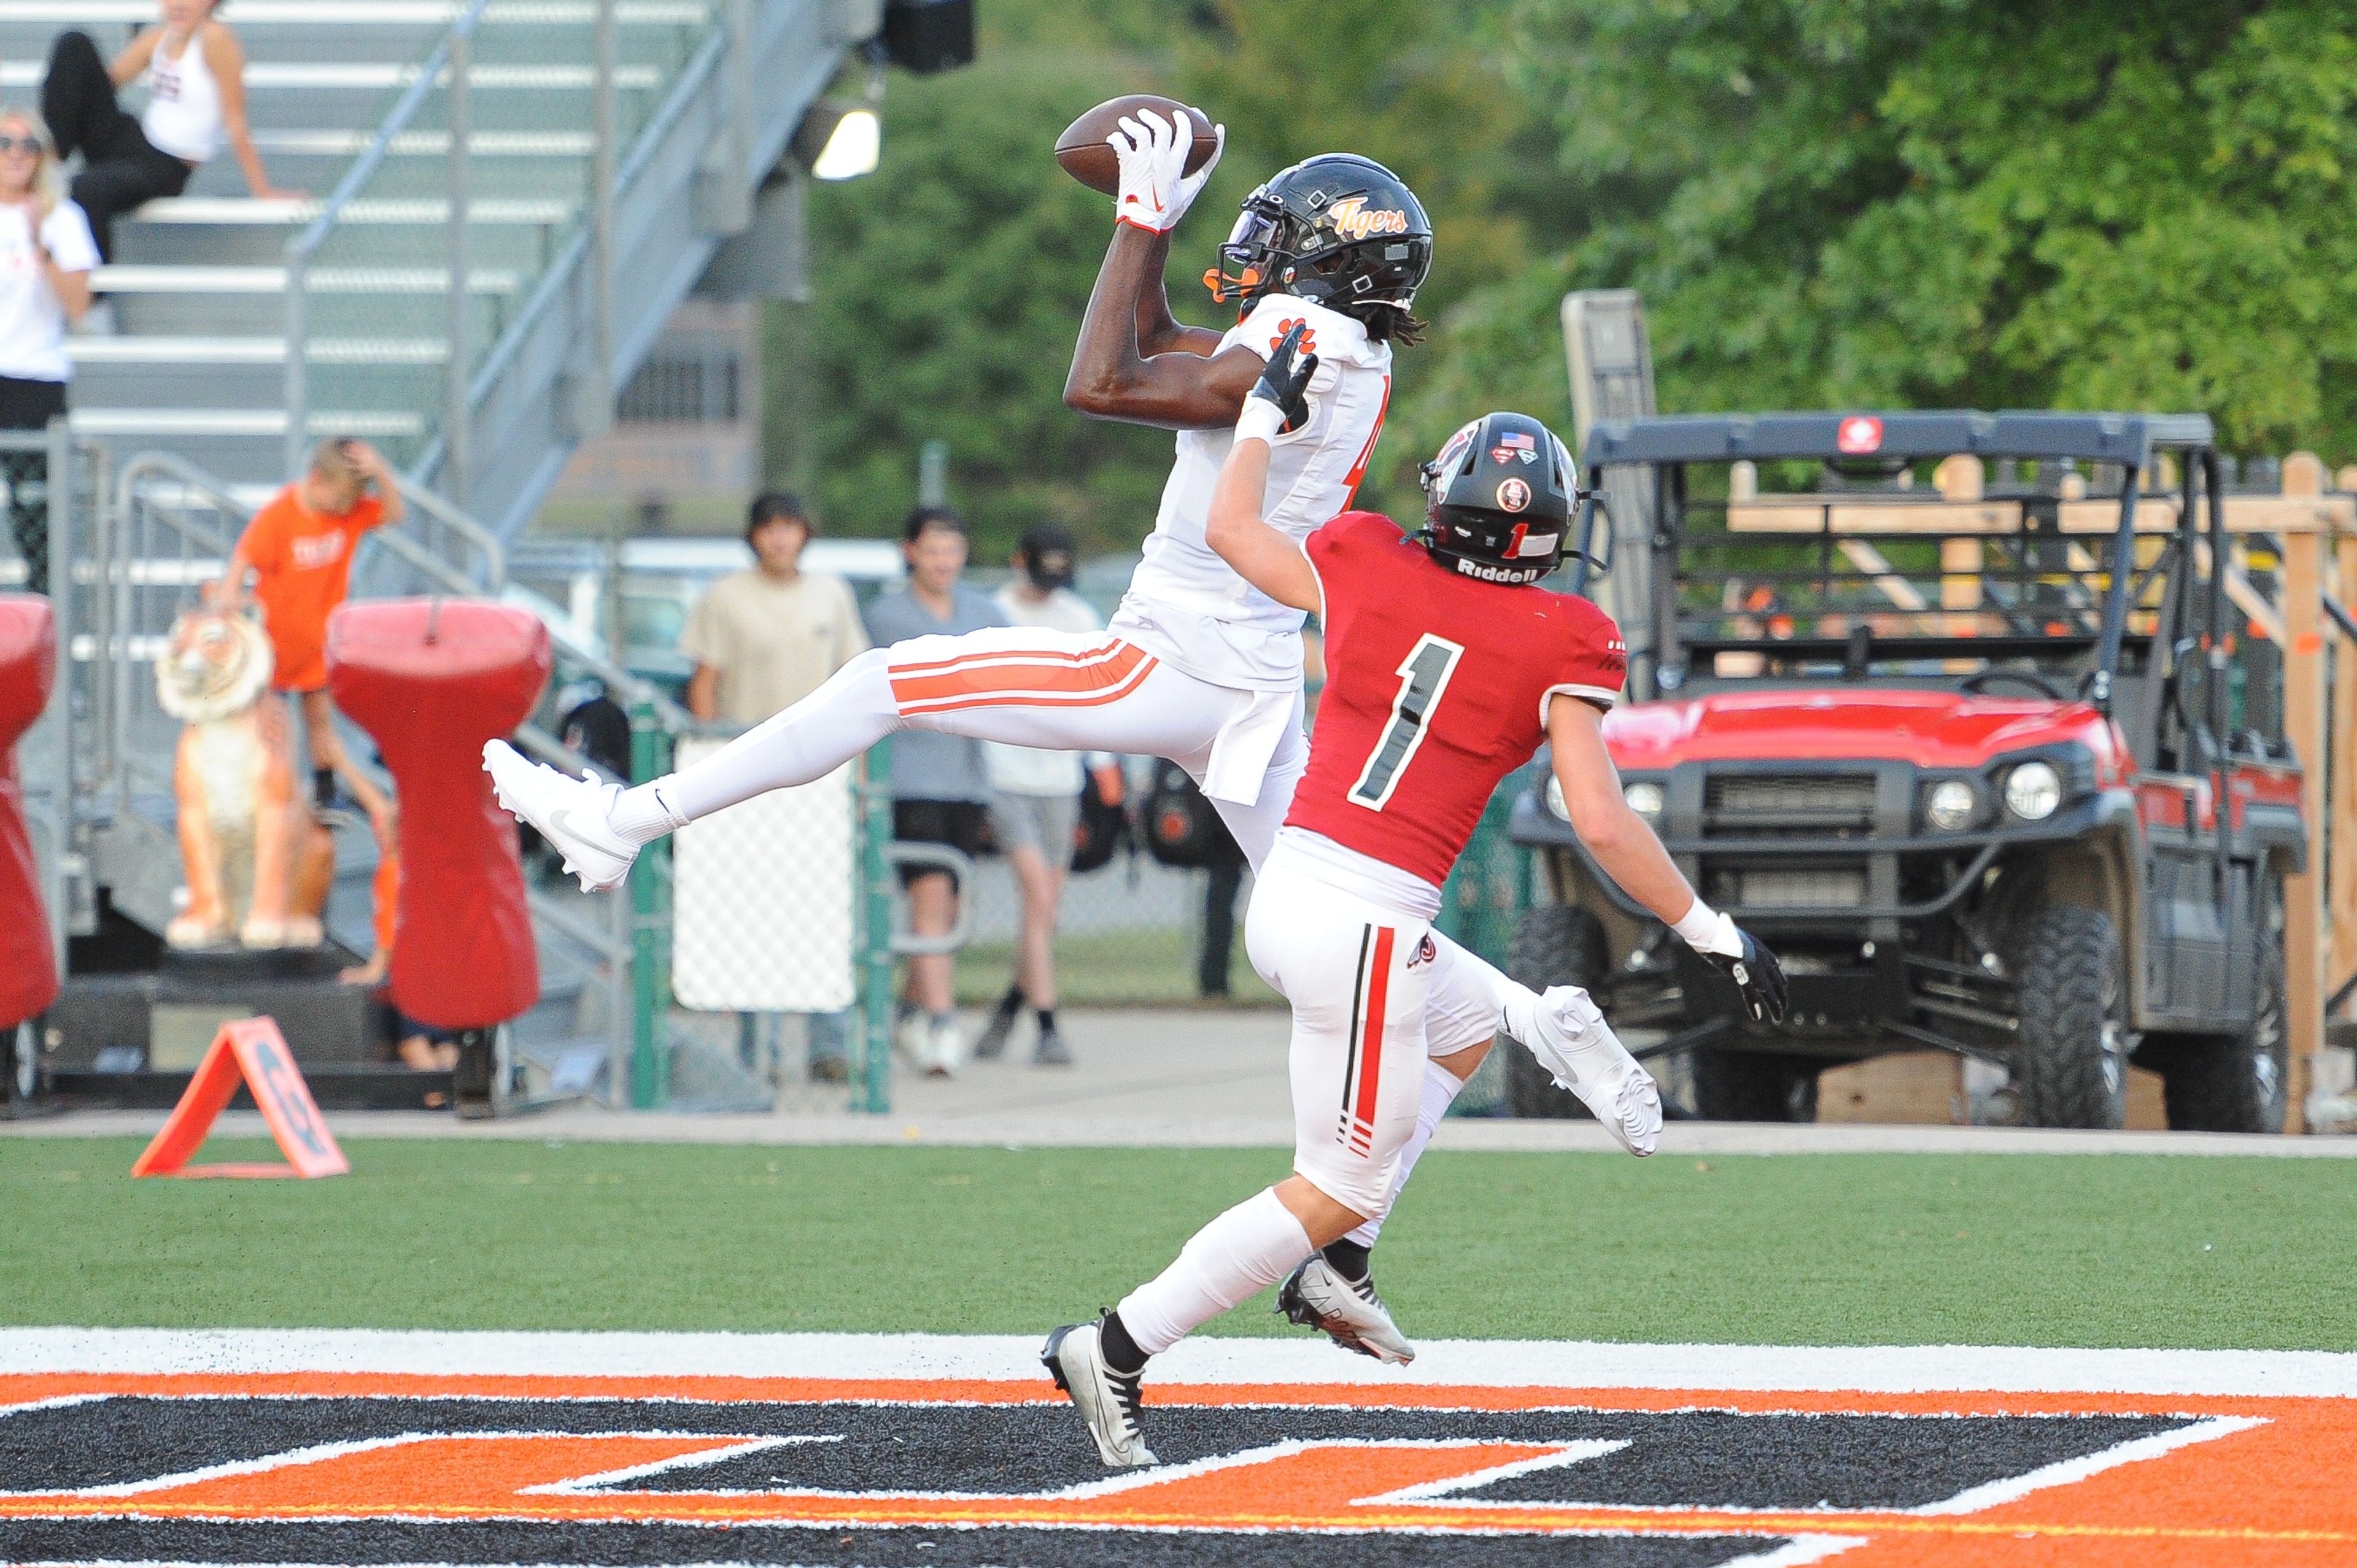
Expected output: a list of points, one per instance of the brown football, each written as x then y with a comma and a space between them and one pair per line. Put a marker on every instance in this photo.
1082, 153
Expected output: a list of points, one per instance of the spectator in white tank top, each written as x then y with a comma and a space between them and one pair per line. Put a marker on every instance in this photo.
196, 74
46, 255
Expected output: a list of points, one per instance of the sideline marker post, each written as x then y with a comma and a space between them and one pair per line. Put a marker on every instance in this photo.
253, 1052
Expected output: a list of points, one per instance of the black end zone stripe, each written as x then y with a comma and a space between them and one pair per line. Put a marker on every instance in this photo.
506, 1543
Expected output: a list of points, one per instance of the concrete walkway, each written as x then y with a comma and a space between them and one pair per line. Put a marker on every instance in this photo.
1180, 1078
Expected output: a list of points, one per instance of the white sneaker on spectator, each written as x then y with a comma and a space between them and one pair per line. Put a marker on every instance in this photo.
944, 1047
912, 1037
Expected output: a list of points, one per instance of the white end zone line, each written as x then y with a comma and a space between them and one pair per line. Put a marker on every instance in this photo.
1299, 1360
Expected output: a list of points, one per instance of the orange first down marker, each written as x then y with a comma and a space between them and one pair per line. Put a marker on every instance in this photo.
250, 1051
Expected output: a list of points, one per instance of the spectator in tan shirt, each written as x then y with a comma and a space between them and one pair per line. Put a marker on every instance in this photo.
762, 640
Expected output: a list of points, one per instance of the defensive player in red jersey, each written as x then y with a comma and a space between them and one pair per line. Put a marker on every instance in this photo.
1446, 669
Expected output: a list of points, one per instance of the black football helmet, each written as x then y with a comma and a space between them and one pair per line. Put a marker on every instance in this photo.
1338, 229
1499, 499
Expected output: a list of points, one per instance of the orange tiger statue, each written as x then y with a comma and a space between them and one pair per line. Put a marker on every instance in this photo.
248, 838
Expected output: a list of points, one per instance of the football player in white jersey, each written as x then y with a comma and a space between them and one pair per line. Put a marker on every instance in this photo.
1197, 665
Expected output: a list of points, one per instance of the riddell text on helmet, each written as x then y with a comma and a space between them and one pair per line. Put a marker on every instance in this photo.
1490, 574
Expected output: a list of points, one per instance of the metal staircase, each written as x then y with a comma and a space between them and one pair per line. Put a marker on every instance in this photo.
507, 199
576, 164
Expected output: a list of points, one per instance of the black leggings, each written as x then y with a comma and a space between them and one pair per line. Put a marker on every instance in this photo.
29, 405
120, 167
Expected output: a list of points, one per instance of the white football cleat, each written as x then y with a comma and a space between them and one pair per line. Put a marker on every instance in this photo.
1106, 1400
1628, 1103
570, 813
1316, 1296
1572, 1041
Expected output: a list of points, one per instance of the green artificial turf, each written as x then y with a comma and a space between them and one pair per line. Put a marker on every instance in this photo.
1840, 1249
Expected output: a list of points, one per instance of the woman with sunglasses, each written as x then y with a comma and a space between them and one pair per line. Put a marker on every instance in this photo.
196, 101
46, 255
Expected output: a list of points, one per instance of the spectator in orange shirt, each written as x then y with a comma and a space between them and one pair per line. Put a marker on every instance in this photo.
299, 548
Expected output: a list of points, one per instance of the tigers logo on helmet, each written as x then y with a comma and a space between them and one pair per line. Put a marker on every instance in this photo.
1354, 222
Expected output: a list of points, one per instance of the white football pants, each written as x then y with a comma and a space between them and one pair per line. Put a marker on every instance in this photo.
1058, 691
1359, 976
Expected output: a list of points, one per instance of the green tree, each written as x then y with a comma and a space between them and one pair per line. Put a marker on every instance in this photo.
1926, 202
948, 285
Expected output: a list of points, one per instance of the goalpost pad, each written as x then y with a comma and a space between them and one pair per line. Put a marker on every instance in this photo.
249, 1051
432, 680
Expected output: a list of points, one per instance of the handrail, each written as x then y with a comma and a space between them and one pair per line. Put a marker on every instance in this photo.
620, 684
305, 245
140, 465
485, 543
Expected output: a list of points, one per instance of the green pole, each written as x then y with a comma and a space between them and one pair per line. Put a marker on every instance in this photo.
651, 960
872, 1090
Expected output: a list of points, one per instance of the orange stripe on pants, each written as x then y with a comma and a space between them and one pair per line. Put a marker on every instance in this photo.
1064, 680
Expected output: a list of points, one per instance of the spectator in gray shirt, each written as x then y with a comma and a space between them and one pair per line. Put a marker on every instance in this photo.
940, 792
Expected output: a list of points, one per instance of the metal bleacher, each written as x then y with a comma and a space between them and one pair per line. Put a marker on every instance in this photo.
601, 169
575, 166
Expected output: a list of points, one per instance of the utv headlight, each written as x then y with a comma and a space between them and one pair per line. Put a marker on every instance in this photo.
2032, 791
1950, 806
1646, 798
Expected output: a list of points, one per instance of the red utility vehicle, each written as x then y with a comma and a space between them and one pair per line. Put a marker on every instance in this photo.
1943, 705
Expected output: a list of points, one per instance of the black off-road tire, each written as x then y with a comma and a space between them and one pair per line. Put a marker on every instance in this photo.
2234, 1083
1553, 944
2071, 1053
1755, 1086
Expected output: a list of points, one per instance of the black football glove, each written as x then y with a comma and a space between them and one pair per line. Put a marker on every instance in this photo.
1284, 382
1745, 959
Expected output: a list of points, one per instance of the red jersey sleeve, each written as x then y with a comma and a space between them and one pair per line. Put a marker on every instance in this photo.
1592, 663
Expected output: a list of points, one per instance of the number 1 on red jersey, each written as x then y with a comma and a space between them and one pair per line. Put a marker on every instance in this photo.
1423, 678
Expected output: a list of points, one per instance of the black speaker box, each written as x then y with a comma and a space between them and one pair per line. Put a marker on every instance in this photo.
928, 36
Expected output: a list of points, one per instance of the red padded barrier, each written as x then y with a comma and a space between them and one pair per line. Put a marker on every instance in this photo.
432, 681
28, 664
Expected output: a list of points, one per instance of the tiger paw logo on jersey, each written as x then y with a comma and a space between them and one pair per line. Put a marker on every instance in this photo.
1354, 222
1616, 657
1308, 336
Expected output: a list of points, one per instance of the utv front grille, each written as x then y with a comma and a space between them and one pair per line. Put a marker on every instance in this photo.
1801, 887
1748, 804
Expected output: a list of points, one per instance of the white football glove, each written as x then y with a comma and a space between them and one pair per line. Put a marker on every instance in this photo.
1155, 190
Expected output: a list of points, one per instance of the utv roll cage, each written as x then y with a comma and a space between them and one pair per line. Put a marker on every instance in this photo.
2066, 572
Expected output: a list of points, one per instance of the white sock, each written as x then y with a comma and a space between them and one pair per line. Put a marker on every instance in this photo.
1240, 1254
1440, 1088
641, 815
1517, 1003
